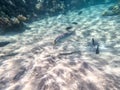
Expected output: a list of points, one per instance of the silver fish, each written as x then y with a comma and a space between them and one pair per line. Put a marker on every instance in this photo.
62, 36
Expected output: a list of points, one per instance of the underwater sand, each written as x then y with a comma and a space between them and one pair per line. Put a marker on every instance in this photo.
33, 62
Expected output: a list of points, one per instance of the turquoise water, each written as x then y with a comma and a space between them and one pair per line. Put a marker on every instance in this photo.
33, 61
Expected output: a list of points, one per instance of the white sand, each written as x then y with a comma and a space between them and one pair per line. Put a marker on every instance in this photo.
32, 62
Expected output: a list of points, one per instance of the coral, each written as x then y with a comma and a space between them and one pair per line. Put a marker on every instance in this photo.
10, 24
17, 11
5, 22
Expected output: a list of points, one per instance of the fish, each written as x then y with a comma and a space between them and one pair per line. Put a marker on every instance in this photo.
94, 46
93, 42
97, 49
62, 36
70, 27
80, 12
74, 23
2, 44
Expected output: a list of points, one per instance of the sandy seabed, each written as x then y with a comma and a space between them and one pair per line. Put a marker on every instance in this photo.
33, 62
